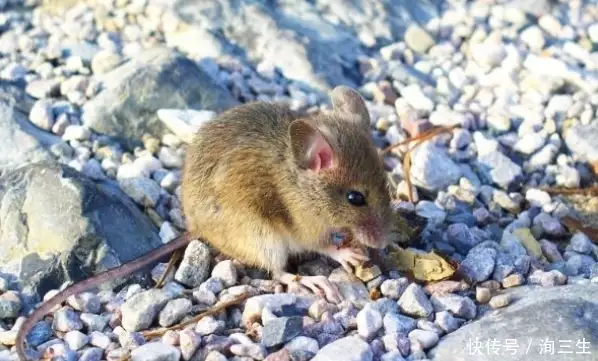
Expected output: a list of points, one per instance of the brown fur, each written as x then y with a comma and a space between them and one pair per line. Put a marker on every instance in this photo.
244, 189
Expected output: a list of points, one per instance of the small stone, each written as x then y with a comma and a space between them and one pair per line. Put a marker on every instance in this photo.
418, 39
205, 297
281, 330
533, 37
167, 232
10, 305
537, 198
446, 321
458, 305
282, 355
500, 301
195, 266
189, 342
85, 302
155, 351
426, 339
215, 356
209, 325
395, 323
513, 280
139, 311
349, 348
482, 294
76, 340
415, 97
66, 320
226, 272
98, 339
303, 344
170, 158
174, 311
94, 322
368, 273
369, 321
479, 264
254, 351
580, 243
394, 288
320, 306
76, 132
144, 191
414, 302
432, 168
459, 235
41, 114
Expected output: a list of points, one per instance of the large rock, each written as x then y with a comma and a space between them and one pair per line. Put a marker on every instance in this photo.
565, 316
316, 42
133, 93
57, 225
21, 141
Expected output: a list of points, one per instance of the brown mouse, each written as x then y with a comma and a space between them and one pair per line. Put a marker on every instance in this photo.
262, 182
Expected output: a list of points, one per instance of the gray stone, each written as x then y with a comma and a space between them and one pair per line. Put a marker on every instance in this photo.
432, 168
155, 351
174, 311
68, 218
415, 302
581, 141
581, 243
499, 169
393, 289
418, 39
209, 325
395, 323
195, 267
479, 264
226, 272
560, 314
22, 142
281, 330
158, 78
139, 311
66, 320
459, 235
369, 321
460, 306
350, 287
349, 348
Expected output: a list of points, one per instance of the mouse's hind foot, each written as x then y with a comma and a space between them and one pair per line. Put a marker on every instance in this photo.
319, 285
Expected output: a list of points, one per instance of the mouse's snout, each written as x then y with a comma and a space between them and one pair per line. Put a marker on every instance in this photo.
372, 233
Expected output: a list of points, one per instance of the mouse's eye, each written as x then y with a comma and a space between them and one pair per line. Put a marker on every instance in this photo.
356, 198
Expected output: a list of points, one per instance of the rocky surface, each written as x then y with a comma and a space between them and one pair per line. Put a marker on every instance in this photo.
99, 100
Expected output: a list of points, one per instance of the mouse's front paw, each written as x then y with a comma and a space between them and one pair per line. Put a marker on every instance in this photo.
347, 257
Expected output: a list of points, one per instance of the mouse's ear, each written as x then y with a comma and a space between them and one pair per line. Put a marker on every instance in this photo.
310, 148
351, 105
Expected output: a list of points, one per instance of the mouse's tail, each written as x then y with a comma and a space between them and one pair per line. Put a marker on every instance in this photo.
82, 286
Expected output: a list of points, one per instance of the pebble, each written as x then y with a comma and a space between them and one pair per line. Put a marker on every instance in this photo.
394, 288
447, 322
155, 351
209, 325
98, 339
144, 191
580, 243
76, 340
139, 311
189, 343
392, 356
195, 266
416, 98
369, 321
76, 132
302, 344
500, 301
174, 311
253, 351
479, 264
281, 330
414, 302
348, 348
418, 39
66, 320
483, 294
427, 339
458, 305
395, 323
226, 272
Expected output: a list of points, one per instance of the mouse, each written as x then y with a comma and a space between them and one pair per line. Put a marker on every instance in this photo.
262, 182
